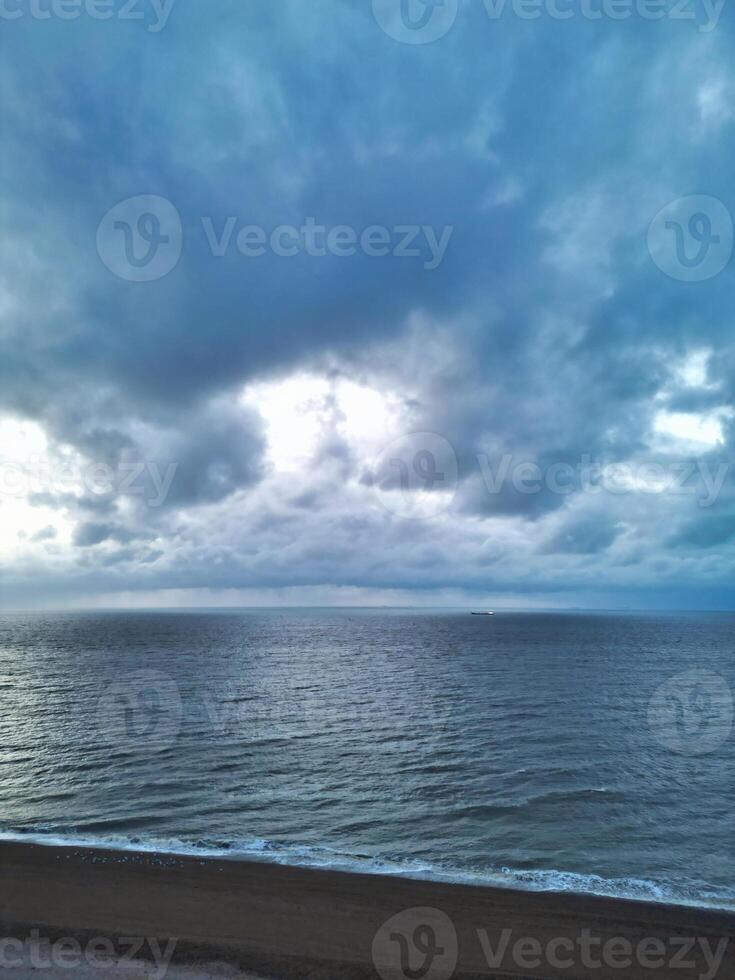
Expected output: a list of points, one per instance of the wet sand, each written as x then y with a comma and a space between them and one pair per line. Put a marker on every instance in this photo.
291, 922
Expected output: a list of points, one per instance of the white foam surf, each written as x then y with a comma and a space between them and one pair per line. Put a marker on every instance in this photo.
324, 858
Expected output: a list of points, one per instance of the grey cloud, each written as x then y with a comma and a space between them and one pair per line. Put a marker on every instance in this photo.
45, 534
588, 538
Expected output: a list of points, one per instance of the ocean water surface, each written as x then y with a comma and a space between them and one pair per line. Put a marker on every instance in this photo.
586, 752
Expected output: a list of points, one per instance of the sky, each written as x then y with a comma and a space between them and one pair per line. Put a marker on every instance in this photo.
367, 302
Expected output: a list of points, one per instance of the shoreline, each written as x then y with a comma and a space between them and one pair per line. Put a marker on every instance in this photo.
291, 921
271, 854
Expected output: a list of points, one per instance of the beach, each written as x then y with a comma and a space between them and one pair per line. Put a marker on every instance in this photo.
134, 970
184, 913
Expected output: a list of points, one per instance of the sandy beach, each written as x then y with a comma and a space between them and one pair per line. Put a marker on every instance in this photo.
193, 917
134, 970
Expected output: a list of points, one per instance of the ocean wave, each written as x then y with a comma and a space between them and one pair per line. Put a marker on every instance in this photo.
325, 858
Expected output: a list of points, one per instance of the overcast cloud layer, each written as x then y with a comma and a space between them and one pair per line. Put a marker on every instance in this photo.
238, 429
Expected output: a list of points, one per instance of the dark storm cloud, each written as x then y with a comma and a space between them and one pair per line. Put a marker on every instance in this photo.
89, 534
583, 538
706, 532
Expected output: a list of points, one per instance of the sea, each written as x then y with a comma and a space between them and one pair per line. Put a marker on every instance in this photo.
582, 752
